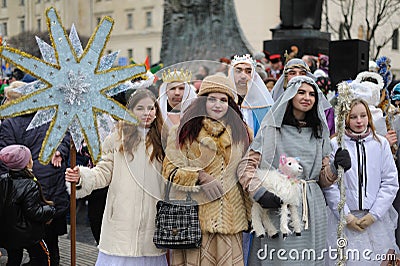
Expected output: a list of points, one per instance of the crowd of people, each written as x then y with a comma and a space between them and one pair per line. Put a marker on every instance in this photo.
214, 129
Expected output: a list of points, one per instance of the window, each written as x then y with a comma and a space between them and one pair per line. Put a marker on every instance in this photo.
37, 1
148, 53
4, 3
22, 25
395, 39
39, 24
21, 2
130, 53
149, 21
129, 18
4, 29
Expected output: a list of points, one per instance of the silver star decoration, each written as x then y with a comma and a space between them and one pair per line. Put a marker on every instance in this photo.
75, 88
74, 75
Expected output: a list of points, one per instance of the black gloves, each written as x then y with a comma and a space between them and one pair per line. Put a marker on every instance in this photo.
269, 200
342, 158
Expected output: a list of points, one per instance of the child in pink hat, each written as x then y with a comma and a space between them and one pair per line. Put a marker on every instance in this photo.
23, 209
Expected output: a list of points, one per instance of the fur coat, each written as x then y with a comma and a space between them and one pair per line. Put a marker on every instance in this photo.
213, 152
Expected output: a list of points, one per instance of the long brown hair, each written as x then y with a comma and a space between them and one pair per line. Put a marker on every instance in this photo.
191, 122
129, 134
311, 117
371, 125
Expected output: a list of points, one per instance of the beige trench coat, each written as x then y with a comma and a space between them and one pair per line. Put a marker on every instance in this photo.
135, 187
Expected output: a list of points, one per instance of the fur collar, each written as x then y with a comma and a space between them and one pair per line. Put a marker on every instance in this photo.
214, 134
213, 127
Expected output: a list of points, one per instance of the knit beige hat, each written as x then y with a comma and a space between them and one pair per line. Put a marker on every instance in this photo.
217, 83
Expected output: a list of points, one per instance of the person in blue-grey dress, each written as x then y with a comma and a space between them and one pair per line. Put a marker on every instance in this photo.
294, 126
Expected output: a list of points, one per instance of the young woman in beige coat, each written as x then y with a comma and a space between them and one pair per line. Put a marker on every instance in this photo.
130, 165
206, 148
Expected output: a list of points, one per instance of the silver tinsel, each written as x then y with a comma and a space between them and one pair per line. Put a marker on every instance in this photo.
75, 41
342, 109
76, 132
107, 61
41, 117
30, 87
47, 51
105, 124
75, 87
121, 88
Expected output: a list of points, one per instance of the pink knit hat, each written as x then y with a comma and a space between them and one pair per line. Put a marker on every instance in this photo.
15, 157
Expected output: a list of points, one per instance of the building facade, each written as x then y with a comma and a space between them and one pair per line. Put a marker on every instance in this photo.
137, 30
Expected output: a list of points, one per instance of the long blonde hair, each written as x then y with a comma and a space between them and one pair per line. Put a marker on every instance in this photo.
371, 125
129, 134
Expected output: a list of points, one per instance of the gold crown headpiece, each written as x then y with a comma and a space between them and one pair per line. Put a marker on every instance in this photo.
174, 76
247, 59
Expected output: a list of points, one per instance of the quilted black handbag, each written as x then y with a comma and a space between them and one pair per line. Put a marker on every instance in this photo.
177, 221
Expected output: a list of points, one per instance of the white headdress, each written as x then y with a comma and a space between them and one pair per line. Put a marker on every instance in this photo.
367, 86
257, 95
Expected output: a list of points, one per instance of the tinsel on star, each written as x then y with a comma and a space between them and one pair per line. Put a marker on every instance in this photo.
75, 88
69, 72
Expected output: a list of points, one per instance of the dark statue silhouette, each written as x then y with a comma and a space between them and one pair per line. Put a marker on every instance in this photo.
300, 14
200, 29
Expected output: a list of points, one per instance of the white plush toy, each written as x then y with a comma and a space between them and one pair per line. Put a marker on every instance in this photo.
284, 184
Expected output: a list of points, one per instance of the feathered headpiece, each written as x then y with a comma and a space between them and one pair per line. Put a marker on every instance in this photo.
383, 63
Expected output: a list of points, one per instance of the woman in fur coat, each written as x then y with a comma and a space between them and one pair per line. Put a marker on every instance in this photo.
206, 148
130, 165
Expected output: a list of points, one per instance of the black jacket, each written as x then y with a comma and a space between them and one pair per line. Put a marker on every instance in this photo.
13, 131
24, 214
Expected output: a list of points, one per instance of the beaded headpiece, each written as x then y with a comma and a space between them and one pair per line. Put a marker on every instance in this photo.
246, 59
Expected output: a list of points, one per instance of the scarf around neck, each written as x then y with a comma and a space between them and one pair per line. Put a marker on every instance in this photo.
357, 136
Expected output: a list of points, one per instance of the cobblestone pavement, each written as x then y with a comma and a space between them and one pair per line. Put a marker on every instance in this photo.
86, 250
86, 254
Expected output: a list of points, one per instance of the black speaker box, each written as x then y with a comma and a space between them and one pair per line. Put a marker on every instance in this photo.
347, 58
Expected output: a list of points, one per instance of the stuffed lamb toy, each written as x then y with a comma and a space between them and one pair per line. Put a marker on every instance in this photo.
284, 184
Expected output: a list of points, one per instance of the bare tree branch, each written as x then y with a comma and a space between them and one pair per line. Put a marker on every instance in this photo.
378, 20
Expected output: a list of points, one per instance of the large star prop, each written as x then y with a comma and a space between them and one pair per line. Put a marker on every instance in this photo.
73, 87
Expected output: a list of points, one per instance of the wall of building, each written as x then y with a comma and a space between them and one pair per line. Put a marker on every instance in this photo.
256, 18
